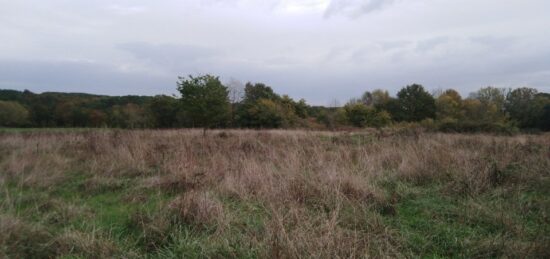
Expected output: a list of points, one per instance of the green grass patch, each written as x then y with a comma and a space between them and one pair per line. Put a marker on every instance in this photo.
435, 225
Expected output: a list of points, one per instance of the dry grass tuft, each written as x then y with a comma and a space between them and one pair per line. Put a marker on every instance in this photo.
88, 245
20, 239
198, 208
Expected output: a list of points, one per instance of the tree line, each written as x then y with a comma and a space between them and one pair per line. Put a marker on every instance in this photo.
205, 102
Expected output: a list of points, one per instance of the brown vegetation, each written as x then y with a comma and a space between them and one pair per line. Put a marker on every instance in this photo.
314, 194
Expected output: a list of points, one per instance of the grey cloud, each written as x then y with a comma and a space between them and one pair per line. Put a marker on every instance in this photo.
393, 45
140, 47
429, 44
522, 65
169, 56
501, 42
78, 76
355, 8
126, 9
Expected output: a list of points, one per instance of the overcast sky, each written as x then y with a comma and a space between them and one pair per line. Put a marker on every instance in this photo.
319, 50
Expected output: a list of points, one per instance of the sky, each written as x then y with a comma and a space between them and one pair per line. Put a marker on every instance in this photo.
320, 50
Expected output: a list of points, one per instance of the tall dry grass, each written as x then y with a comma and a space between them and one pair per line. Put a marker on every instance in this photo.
307, 182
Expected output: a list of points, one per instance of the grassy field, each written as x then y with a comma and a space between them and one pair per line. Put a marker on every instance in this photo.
283, 194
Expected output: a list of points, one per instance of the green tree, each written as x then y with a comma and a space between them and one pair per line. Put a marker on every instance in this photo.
449, 106
473, 110
357, 114
415, 103
366, 98
13, 114
491, 104
523, 108
288, 106
205, 101
135, 116
42, 109
266, 113
254, 110
97, 118
257, 91
301, 108
339, 117
392, 106
331, 118
380, 119
377, 98
130, 115
71, 113
163, 111
494, 95
380, 98
544, 122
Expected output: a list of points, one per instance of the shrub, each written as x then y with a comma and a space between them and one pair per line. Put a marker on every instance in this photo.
360, 115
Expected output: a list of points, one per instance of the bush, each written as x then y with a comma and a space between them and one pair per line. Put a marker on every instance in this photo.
360, 115
266, 113
472, 127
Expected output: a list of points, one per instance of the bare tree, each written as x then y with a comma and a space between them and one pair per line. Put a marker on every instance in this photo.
236, 90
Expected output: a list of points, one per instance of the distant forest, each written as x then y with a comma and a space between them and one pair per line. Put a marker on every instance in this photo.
204, 102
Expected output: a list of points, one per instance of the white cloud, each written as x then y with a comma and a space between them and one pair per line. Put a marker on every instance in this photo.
303, 6
355, 8
125, 9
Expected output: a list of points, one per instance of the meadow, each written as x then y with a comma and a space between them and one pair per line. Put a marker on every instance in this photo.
273, 193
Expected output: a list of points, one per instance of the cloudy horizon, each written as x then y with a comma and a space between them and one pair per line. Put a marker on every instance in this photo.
319, 50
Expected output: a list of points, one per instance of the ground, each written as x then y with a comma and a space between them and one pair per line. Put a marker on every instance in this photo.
288, 194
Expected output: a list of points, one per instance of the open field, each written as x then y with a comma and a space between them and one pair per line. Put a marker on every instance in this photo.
286, 194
